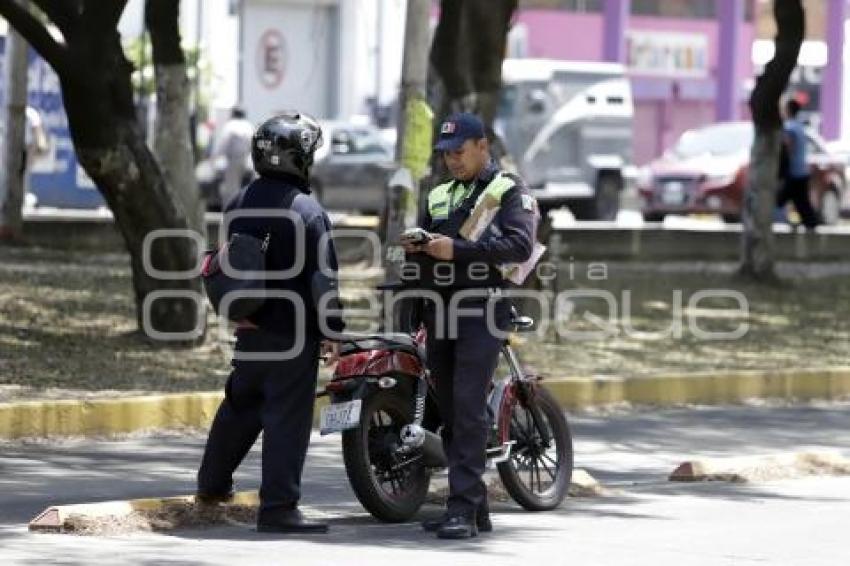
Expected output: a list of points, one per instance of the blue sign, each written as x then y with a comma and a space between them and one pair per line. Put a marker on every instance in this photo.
56, 180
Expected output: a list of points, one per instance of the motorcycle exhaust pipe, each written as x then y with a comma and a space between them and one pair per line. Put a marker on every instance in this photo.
414, 437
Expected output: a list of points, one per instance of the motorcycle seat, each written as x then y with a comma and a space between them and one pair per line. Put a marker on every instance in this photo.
390, 341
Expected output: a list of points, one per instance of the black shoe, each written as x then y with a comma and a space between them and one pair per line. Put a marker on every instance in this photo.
457, 527
482, 522
431, 525
288, 521
202, 498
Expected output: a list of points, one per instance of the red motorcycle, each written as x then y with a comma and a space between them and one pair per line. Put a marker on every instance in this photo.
382, 400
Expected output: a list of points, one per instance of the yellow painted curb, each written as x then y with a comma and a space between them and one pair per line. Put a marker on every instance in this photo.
196, 410
106, 416
39, 419
704, 388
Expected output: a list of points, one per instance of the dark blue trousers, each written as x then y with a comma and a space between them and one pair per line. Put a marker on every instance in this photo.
463, 368
275, 397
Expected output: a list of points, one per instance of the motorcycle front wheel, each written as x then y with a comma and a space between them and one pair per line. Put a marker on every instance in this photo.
392, 487
538, 472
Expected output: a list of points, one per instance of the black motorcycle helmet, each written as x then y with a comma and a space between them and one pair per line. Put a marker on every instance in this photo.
284, 145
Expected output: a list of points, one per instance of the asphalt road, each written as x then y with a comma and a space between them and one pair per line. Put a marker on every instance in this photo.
648, 520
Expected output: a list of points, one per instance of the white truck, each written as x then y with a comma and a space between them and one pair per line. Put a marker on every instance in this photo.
569, 127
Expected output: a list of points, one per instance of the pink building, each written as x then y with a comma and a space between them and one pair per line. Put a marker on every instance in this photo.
690, 63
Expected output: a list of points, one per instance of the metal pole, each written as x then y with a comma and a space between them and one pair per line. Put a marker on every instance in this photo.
731, 17
414, 70
403, 188
616, 23
196, 104
379, 54
14, 172
831, 88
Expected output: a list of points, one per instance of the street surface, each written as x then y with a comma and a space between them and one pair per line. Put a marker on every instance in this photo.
646, 521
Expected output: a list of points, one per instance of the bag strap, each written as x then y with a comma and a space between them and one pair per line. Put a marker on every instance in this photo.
286, 204
458, 216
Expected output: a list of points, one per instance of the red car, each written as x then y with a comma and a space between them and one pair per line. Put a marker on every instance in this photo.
705, 172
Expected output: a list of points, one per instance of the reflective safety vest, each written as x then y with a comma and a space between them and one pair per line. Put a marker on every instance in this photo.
446, 197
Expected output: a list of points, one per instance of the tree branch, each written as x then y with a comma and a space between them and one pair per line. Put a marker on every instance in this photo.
64, 13
764, 100
102, 16
162, 18
36, 34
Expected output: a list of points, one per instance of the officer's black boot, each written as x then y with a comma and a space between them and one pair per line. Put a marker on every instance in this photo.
482, 518
288, 520
458, 527
482, 521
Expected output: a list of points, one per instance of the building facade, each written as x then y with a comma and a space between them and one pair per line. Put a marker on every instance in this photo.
690, 63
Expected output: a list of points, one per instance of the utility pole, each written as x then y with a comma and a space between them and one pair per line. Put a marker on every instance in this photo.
13, 174
413, 146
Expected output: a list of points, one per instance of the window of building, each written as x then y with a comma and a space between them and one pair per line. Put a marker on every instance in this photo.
699, 10
696, 9
566, 5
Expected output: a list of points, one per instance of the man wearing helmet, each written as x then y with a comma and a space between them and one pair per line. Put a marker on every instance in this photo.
268, 391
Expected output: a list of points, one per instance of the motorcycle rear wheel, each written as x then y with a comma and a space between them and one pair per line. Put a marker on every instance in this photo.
389, 486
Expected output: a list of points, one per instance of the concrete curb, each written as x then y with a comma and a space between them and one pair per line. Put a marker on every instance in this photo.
709, 388
57, 519
762, 468
54, 519
106, 416
196, 410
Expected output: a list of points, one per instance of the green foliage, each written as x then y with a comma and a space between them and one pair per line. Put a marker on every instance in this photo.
140, 53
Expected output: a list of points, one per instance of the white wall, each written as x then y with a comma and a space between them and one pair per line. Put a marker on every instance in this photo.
219, 39
361, 50
380, 48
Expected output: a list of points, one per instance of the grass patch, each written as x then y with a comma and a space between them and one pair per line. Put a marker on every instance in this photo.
68, 327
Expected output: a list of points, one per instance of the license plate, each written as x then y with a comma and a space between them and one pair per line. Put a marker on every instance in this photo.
339, 417
674, 193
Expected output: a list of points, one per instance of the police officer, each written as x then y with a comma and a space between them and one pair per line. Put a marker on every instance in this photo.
463, 364
265, 391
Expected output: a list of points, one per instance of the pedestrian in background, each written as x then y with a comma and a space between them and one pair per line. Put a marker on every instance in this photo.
233, 145
795, 173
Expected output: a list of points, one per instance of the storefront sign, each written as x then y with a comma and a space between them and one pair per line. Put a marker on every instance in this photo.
668, 54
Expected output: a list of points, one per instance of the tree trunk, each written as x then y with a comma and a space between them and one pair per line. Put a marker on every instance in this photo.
467, 53
95, 78
466, 57
757, 248
172, 137
14, 174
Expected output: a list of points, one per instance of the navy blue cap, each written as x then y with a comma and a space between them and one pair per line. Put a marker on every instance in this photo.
457, 129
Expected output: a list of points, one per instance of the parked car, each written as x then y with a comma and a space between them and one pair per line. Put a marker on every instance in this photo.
350, 172
842, 150
352, 168
706, 172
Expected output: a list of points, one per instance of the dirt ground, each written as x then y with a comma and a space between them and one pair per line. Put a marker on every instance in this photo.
68, 326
